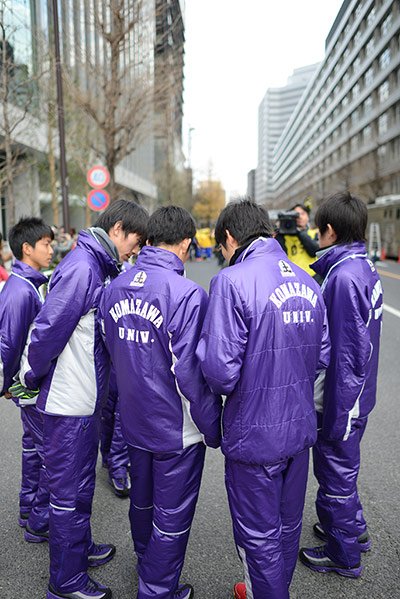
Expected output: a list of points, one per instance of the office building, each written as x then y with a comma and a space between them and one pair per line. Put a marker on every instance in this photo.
345, 131
274, 112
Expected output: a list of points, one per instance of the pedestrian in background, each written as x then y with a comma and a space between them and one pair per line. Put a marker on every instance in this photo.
3, 273
301, 246
353, 295
67, 361
152, 321
20, 301
263, 339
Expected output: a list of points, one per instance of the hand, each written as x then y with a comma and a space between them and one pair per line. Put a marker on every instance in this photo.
20, 392
7, 395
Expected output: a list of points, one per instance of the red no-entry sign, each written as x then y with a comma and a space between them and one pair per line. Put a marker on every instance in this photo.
98, 199
98, 176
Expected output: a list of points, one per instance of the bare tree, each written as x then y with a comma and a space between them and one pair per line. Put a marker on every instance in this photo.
123, 83
115, 87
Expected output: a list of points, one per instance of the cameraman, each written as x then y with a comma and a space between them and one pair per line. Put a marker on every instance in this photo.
300, 245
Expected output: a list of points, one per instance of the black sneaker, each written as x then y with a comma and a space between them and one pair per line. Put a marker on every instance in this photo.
184, 591
121, 486
364, 539
100, 554
316, 559
32, 536
92, 590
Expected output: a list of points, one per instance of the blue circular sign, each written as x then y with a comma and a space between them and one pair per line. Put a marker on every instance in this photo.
98, 199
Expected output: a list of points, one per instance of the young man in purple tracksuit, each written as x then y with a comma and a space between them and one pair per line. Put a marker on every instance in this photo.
263, 339
353, 295
67, 360
152, 321
20, 301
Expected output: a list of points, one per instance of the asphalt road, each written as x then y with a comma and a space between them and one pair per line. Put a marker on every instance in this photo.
211, 564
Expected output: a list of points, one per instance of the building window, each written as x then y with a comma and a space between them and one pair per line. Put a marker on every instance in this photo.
346, 54
354, 144
359, 9
368, 105
382, 150
386, 24
345, 101
371, 17
370, 47
356, 91
357, 38
356, 64
367, 133
384, 91
369, 76
383, 124
384, 59
354, 118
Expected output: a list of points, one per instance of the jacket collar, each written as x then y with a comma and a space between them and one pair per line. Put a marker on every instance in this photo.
23, 270
90, 244
155, 256
255, 246
334, 255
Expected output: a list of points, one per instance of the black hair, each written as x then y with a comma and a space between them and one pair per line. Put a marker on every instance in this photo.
244, 220
347, 216
170, 225
302, 206
134, 218
30, 230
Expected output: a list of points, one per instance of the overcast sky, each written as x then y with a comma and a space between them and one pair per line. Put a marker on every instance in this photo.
234, 51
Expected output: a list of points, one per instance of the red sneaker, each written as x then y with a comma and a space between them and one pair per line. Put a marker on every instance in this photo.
239, 590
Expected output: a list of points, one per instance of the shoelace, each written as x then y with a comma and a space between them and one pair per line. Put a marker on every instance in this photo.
320, 551
91, 587
99, 549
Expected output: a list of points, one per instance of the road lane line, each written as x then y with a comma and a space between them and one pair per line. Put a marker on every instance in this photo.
391, 310
388, 274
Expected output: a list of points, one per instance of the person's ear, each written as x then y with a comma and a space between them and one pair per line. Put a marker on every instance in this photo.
115, 229
230, 240
331, 233
185, 244
26, 249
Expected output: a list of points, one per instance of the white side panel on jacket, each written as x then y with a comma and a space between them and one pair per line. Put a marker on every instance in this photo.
73, 389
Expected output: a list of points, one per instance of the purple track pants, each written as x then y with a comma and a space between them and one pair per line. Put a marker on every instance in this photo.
336, 467
266, 504
70, 445
31, 464
39, 514
163, 499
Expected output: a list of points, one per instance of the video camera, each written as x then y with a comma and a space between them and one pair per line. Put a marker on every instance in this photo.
288, 222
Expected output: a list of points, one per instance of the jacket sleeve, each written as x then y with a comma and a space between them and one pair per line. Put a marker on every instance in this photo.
223, 338
55, 323
325, 353
184, 329
17, 317
310, 245
348, 313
